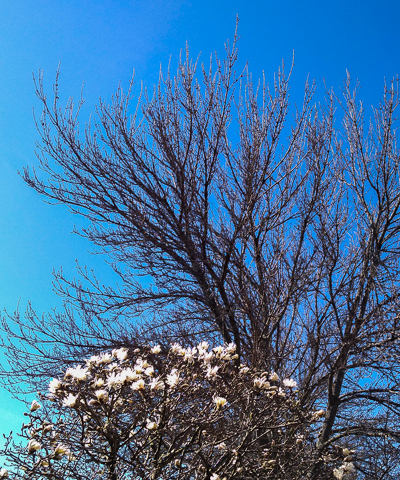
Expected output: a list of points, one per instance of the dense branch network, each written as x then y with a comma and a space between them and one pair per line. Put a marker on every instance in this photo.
227, 222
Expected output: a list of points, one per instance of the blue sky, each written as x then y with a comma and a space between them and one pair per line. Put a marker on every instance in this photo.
100, 43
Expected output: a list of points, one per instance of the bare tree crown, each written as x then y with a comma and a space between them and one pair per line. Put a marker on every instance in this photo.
221, 229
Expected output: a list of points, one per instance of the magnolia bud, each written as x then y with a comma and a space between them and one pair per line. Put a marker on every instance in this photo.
33, 446
35, 406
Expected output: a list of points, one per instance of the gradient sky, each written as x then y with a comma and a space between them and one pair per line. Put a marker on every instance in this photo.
100, 43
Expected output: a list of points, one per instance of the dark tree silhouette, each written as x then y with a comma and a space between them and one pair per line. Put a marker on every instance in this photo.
227, 221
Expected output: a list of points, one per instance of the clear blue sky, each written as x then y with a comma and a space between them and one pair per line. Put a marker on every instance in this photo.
100, 43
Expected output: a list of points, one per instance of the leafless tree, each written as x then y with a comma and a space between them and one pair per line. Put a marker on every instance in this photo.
226, 219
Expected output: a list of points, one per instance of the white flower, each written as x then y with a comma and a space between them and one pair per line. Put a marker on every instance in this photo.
113, 366
202, 346
220, 402
299, 439
138, 368
156, 349
105, 358
289, 382
102, 395
281, 392
54, 385
156, 384
128, 375
139, 385
48, 428
120, 353
149, 371
78, 373
94, 359
151, 425
177, 349
207, 357
338, 473
273, 377
61, 449
214, 476
140, 365
243, 369
98, 383
261, 383
211, 371
35, 406
114, 379
33, 446
219, 350
173, 378
70, 401
349, 467
3, 473
230, 348
190, 353
319, 413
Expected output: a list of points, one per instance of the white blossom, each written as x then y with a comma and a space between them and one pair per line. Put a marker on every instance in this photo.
54, 385
98, 383
128, 375
173, 378
156, 384
48, 428
78, 373
33, 446
261, 383
61, 449
220, 402
156, 349
281, 392
212, 371
120, 353
273, 377
214, 476
151, 425
203, 346
178, 349
288, 382
114, 379
93, 360
35, 406
219, 350
207, 357
105, 358
139, 385
102, 395
319, 413
70, 401
3, 473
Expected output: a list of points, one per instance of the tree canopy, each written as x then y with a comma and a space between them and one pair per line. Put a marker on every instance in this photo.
227, 220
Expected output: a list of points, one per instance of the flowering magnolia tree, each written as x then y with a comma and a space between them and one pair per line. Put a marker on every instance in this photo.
183, 414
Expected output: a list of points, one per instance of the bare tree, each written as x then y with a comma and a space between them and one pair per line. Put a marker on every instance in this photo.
226, 221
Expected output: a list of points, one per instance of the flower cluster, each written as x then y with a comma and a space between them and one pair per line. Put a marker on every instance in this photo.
179, 413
